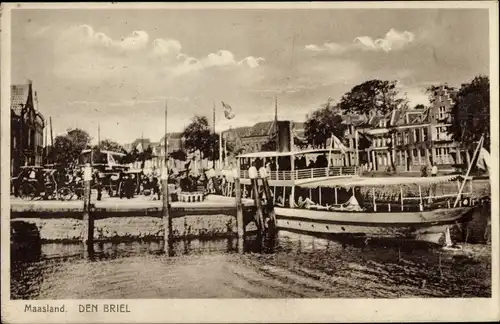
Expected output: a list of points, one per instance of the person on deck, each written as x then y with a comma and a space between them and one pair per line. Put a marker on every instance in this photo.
305, 203
434, 170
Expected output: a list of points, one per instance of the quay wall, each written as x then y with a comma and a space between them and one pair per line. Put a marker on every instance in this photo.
133, 228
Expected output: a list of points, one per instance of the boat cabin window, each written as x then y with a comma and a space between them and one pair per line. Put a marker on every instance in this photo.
311, 161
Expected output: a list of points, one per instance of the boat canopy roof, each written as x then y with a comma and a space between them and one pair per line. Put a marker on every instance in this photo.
105, 152
356, 181
266, 154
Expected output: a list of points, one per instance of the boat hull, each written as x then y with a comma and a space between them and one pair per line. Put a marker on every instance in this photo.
428, 226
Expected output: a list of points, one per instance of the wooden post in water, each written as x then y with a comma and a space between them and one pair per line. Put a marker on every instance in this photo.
88, 222
259, 218
270, 227
240, 225
167, 219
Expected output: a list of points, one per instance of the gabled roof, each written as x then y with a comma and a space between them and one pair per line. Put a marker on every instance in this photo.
238, 132
19, 97
261, 129
355, 120
402, 117
170, 136
375, 119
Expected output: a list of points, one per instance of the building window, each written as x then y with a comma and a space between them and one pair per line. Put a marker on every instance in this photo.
424, 134
406, 138
382, 123
442, 114
443, 155
416, 135
441, 133
398, 139
422, 156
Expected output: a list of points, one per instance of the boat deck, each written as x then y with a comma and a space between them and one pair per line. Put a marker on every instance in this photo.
115, 205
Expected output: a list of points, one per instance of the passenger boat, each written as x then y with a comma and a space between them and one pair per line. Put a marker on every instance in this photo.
337, 200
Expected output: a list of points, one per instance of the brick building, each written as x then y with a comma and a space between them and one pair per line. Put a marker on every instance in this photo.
27, 127
411, 138
251, 139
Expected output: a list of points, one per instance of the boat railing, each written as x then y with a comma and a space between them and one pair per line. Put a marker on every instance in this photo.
308, 173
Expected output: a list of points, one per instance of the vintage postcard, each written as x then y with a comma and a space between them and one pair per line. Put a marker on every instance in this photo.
249, 162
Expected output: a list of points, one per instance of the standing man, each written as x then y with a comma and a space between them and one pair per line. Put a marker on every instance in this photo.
434, 169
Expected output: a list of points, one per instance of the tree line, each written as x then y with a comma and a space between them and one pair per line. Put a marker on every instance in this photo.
469, 120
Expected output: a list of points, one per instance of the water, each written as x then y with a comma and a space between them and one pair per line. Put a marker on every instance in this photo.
303, 266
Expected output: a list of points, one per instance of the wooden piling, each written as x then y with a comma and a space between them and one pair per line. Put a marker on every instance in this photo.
258, 204
88, 221
240, 225
259, 215
271, 228
167, 219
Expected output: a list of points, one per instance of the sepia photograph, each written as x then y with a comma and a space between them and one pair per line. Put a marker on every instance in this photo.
321, 154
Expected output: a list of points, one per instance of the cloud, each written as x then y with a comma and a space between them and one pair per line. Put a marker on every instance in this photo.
96, 55
137, 40
332, 48
120, 103
393, 40
167, 47
251, 61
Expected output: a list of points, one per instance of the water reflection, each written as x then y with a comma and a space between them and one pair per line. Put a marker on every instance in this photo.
303, 266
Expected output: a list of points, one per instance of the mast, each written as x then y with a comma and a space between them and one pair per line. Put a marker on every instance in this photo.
143, 151
51, 136
213, 132
51, 133
225, 149
356, 139
45, 144
165, 141
474, 160
98, 135
276, 130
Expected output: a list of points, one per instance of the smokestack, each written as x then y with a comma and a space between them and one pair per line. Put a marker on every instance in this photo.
284, 136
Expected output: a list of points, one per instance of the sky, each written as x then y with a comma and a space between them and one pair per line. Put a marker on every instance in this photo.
121, 67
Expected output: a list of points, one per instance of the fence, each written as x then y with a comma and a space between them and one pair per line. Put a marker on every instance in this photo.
308, 173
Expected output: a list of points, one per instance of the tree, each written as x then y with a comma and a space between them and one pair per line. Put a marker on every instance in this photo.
131, 156
199, 137
145, 155
470, 114
322, 123
67, 148
376, 96
179, 155
419, 107
110, 145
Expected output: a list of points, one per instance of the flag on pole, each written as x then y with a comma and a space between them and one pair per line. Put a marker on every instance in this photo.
139, 148
339, 144
228, 110
484, 159
111, 160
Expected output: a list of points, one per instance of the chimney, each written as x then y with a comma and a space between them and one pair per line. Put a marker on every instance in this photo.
284, 136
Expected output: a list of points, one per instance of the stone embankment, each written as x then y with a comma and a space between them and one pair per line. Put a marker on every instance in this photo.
133, 228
